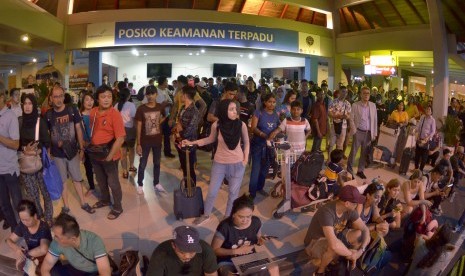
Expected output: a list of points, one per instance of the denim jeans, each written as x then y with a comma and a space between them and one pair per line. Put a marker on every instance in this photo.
260, 166
108, 178
10, 193
156, 155
192, 160
234, 174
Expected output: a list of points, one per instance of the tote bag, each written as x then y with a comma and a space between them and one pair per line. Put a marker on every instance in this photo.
52, 178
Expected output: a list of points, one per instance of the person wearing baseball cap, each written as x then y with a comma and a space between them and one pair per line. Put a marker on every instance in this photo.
185, 254
329, 235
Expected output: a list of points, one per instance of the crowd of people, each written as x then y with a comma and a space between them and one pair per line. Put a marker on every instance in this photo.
234, 119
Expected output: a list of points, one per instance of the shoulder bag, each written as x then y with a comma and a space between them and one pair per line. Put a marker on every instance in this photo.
98, 152
52, 182
30, 164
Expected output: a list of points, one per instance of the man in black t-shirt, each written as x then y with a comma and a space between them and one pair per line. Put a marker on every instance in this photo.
185, 254
329, 235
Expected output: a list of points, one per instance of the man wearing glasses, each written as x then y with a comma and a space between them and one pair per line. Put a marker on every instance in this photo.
185, 254
329, 235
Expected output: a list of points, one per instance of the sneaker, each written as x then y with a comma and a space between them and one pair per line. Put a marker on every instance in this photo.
361, 175
457, 229
159, 188
140, 190
170, 155
201, 220
64, 210
263, 193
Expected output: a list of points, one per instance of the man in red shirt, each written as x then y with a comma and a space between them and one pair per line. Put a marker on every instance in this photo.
319, 120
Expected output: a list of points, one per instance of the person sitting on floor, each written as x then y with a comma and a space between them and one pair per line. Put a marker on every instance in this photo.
238, 235
413, 194
83, 249
333, 172
434, 190
185, 254
389, 205
328, 235
35, 232
369, 211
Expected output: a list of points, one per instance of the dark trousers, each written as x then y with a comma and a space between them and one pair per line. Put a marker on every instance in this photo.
183, 161
89, 171
107, 178
433, 157
10, 196
436, 201
316, 143
421, 156
156, 155
166, 129
68, 270
260, 167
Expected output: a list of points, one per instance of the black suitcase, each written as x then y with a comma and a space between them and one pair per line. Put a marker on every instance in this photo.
188, 199
407, 155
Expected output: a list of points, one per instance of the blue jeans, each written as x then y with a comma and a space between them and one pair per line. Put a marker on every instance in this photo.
234, 173
260, 166
10, 193
156, 155
316, 143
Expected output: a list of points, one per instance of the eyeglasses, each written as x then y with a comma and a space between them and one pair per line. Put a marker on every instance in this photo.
59, 96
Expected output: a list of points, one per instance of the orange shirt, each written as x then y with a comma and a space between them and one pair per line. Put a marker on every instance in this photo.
108, 126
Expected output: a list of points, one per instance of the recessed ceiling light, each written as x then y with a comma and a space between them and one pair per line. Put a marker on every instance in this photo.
241, 55
34, 60
251, 56
432, 71
197, 53
190, 54
145, 54
455, 81
135, 52
202, 51
11, 71
25, 38
411, 64
264, 54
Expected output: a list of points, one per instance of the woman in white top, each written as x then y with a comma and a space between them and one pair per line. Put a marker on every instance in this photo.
413, 194
230, 158
128, 112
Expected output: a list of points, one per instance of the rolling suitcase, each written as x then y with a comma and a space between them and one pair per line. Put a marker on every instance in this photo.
188, 199
407, 155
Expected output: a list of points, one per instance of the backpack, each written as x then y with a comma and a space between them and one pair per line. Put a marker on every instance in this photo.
373, 255
307, 168
130, 264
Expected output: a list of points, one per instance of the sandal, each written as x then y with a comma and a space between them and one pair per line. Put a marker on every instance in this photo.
99, 204
86, 207
114, 214
125, 175
133, 169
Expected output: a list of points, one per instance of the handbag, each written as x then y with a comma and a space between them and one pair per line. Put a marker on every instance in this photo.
30, 164
98, 152
51, 176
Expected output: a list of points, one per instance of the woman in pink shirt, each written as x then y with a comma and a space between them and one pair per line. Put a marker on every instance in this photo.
230, 158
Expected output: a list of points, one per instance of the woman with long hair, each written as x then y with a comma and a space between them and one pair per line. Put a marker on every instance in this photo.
230, 158
413, 195
265, 126
238, 235
284, 110
369, 211
128, 112
87, 104
33, 183
389, 205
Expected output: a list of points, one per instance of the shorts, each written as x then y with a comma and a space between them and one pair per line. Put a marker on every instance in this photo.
71, 168
130, 139
318, 247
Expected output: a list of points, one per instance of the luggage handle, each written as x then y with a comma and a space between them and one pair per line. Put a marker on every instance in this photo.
187, 190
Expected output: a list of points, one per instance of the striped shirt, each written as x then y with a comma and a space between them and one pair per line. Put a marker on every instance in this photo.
295, 131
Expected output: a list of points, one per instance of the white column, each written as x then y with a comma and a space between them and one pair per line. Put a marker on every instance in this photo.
440, 57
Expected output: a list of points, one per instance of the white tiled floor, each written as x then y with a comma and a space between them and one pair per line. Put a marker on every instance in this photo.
148, 219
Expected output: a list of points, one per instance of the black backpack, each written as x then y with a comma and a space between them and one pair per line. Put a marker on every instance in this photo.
307, 168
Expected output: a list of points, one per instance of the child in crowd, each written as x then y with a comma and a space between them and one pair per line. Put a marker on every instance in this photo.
296, 128
333, 172
149, 118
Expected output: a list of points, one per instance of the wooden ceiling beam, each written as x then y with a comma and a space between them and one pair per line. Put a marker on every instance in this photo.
415, 10
380, 14
261, 7
351, 12
242, 6
313, 17
166, 3
284, 11
397, 12
345, 19
364, 13
218, 4
143, 3
455, 15
193, 4
94, 5
116, 5
299, 14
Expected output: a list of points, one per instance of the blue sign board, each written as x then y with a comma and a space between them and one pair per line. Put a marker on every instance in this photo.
201, 34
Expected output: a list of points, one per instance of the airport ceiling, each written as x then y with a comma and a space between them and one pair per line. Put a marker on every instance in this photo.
355, 15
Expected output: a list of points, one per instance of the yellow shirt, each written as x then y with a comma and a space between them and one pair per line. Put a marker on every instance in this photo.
399, 117
412, 111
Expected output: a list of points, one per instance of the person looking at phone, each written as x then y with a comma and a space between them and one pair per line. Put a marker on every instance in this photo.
238, 235
369, 211
329, 235
36, 234
389, 205
434, 191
